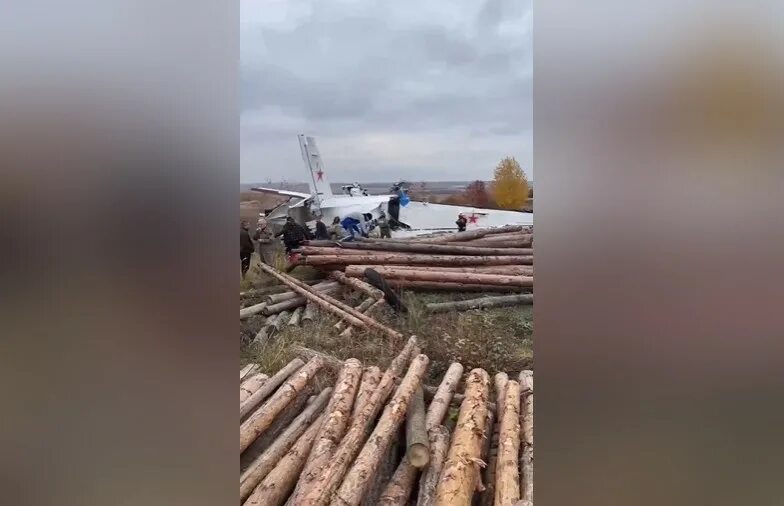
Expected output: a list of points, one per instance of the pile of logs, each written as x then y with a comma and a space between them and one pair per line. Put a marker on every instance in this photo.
298, 304
488, 260
383, 438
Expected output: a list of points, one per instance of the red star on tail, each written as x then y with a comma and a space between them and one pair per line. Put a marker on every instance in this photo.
320, 175
473, 218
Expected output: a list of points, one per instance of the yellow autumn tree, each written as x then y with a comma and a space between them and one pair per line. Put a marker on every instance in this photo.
510, 186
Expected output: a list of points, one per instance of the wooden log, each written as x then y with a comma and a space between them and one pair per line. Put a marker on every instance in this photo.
269, 386
334, 427
348, 313
352, 248
296, 316
309, 314
282, 297
357, 271
398, 272
439, 445
500, 381
507, 484
262, 335
296, 302
369, 311
267, 461
330, 361
278, 484
279, 425
417, 444
527, 437
366, 463
324, 486
370, 378
476, 233
481, 303
527, 415
486, 487
415, 259
267, 290
461, 469
432, 286
250, 385
357, 284
253, 310
263, 417
443, 395
362, 307
248, 371
457, 399
398, 490
527, 474
279, 322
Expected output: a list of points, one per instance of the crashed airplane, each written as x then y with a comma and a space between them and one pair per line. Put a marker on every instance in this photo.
406, 217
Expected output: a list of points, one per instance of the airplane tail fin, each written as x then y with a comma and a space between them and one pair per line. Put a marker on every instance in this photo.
318, 178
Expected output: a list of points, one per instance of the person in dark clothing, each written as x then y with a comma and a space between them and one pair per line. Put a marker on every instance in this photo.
246, 248
321, 230
383, 226
293, 234
461, 223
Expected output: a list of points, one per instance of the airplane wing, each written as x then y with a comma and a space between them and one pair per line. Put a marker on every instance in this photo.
284, 193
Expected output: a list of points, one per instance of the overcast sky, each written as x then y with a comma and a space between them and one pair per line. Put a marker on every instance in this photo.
403, 89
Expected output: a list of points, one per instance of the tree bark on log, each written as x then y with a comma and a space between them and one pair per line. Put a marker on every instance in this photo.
253, 310
267, 461
358, 284
431, 286
362, 308
370, 378
309, 314
400, 272
481, 303
415, 259
248, 371
487, 441
263, 417
500, 380
350, 248
268, 290
325, 485
279, 425
527, 437
357, 271
439, 445
443, 396
334, 427
269, 386
475, 234
461, 469
277, 485
282, 297
296, 302
417, 444
366, 463
295, 317
398, 490
507, 484
457, 399
250, 385
348, 313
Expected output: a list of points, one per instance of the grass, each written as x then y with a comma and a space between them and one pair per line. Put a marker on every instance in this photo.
499, 339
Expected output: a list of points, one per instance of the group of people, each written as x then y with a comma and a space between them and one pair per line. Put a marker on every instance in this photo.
293, 234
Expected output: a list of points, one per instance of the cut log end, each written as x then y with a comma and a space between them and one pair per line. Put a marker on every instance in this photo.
418, 455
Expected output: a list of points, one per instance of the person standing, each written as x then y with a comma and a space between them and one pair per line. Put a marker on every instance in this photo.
461, 223
336, 231
293, 234
383, 226
263, 238
246, 248
321, 230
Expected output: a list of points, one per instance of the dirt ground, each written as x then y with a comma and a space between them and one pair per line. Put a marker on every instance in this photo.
496, 340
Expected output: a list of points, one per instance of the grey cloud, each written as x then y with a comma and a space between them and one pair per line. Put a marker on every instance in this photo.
342, 77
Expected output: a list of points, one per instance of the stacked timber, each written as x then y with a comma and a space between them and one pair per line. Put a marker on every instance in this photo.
482, 260
369, 437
